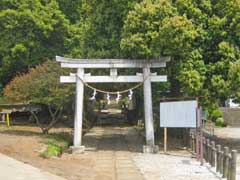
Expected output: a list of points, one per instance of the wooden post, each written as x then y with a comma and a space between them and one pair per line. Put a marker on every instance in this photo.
207, 151
165, 140
193, 143
147, 89
201, 136
187, 138
7, 119
233, 165
197, 144
225, 162
3, 117
77, 139
204, 148
218, 150
213, 154
221, 162
190, 141
229, 166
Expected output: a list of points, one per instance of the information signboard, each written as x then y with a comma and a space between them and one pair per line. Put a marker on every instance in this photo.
178, 114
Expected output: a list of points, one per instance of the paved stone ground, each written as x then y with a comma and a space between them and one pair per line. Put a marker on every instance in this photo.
11, 169
113, 147
172, 167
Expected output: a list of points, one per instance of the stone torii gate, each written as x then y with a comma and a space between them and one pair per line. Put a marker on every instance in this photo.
113, 64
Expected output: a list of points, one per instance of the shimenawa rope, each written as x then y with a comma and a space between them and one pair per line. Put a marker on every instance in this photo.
112, 92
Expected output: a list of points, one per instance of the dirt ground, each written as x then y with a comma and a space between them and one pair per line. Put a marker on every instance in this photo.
25, 143
107, 152
110, 149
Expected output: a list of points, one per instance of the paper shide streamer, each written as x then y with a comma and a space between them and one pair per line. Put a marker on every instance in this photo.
93, 96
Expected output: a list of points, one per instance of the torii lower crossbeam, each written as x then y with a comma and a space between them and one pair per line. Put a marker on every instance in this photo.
112, 79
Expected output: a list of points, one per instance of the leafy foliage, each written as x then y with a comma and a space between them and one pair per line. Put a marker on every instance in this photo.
192, 74
217, 113
220, 122
56, 145
98, 26
196, 34
30, 32
41, 85
234, 80
154, 28
202, 38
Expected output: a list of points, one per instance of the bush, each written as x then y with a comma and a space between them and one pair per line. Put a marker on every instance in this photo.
56, 145
41, 86
220, 122
53, 149
217, 113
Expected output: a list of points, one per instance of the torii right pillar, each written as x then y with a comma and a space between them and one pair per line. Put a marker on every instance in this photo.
150, 146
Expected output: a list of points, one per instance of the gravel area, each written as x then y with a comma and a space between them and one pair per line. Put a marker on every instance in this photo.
172, 167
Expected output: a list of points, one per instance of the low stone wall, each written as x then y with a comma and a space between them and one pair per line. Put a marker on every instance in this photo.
231, 116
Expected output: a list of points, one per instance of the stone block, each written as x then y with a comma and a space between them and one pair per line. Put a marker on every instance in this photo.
77, 149
150, 149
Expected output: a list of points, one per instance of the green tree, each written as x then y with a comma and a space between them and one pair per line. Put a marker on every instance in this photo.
41, 86
155, 28
192, 74
201, 37
31, 31
218, 41
73, 9
234, 81
99, 25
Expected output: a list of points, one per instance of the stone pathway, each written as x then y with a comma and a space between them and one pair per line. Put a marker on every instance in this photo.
112, 149
11, 169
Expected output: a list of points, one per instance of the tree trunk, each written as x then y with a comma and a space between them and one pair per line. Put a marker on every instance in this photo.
173, 74
55, 116
175, 88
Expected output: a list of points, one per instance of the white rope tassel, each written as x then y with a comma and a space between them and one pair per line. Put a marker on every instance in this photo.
108, 99
130, 94
93, 96
118, 97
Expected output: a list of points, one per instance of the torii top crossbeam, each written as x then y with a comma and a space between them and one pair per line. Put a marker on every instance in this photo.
111, 63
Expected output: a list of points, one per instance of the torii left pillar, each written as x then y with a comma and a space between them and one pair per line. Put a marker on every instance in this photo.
78, 120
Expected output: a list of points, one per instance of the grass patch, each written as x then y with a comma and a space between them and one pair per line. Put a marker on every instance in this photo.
56, 145
53, 149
